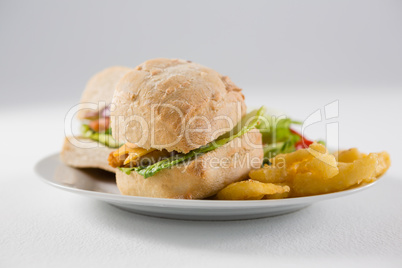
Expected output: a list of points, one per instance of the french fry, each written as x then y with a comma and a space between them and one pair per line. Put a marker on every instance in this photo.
384, 162
250, 190
348, 156
349, 174
268, 174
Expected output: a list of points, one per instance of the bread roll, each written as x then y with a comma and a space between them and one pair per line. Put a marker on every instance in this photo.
93, 155
175, 105
99, 89
202, 177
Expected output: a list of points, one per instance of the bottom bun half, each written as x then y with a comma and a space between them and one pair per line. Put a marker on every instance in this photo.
90, 155
202, 177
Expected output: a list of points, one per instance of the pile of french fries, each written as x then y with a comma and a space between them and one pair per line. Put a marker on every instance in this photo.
306, 172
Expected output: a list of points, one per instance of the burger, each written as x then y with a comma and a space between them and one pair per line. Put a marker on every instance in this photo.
184, 131
92, 147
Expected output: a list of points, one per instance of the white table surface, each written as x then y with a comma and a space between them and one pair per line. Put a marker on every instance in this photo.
43, 226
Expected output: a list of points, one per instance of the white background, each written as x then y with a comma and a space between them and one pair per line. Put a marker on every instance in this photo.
296, 56
51, 48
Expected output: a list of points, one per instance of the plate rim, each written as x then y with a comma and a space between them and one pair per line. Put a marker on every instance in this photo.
192, 203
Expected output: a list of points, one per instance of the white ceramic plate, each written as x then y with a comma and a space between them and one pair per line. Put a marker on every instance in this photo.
101, 185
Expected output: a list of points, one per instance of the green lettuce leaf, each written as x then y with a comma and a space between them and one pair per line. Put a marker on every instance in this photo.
277, 136
102, 137
248, 122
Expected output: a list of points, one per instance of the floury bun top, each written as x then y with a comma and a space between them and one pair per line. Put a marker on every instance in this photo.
175, 105
99, 90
